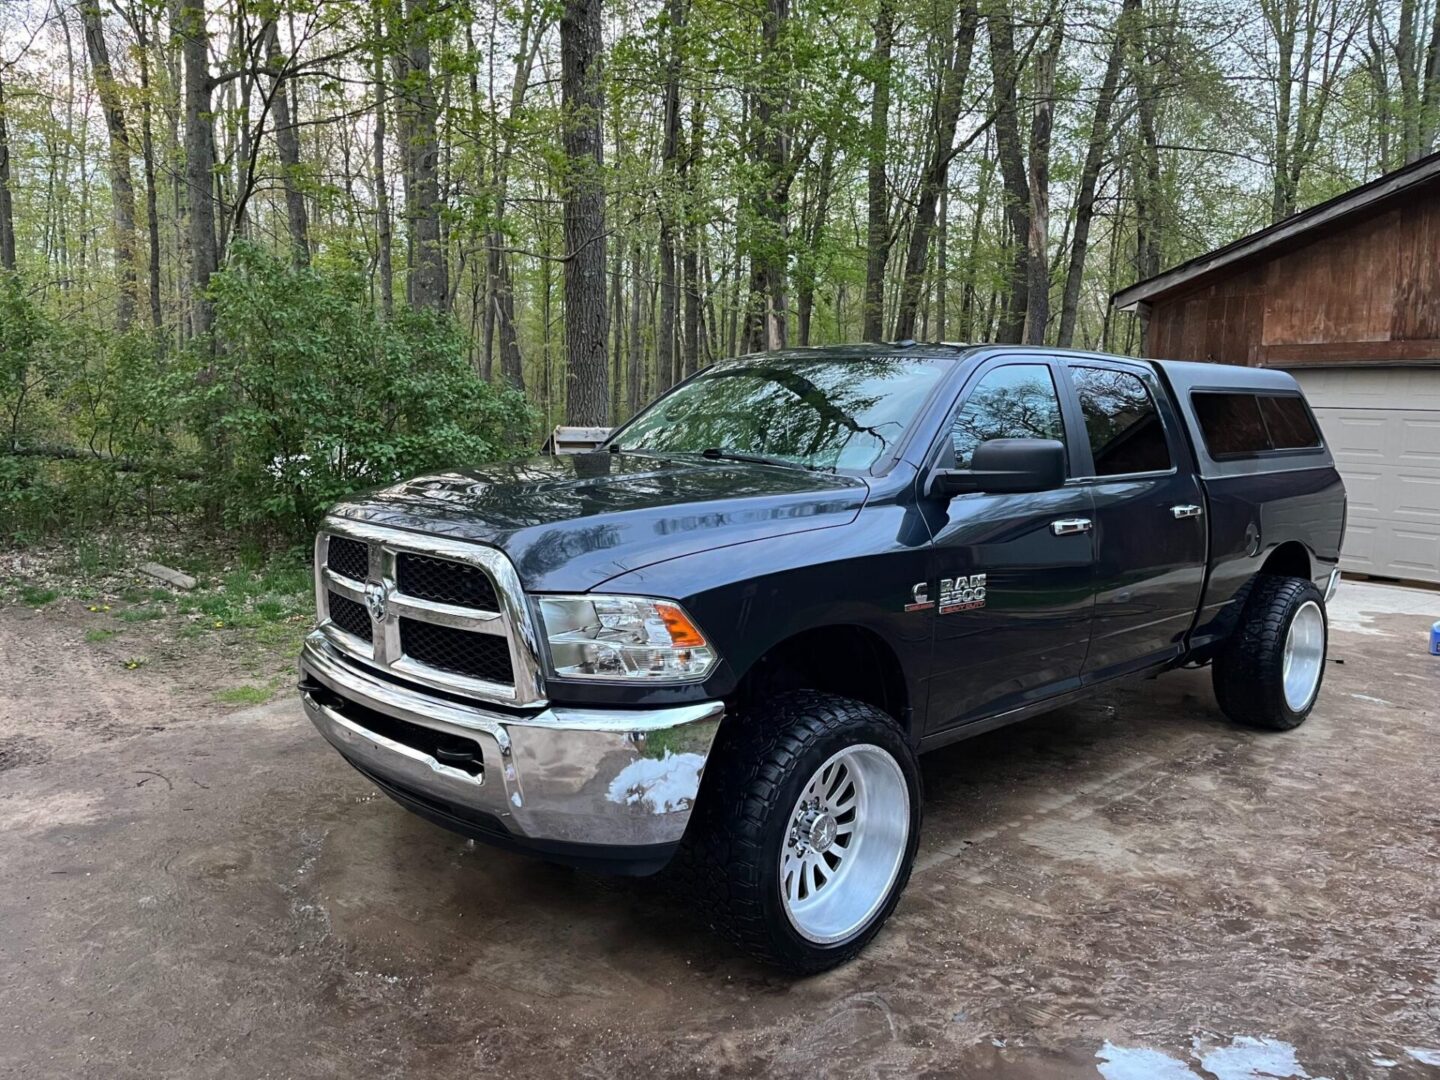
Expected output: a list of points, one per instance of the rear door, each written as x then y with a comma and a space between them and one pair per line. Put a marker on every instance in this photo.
1149, 513
1009, 589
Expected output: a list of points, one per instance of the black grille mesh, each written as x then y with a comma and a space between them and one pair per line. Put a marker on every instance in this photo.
349, 616
445, 582
478, 656
349, 558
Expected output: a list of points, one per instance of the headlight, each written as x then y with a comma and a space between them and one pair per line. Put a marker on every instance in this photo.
623, 637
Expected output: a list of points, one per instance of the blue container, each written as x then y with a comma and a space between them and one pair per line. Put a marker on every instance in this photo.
1435, 640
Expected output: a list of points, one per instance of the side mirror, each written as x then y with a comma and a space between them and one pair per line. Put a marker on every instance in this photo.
1006, 467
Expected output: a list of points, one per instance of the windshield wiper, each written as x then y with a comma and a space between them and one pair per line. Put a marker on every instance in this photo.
716, 453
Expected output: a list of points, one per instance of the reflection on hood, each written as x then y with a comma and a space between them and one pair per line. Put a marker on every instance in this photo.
572, 522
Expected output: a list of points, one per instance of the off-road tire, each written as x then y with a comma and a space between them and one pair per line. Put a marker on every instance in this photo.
1248, 670
728, 865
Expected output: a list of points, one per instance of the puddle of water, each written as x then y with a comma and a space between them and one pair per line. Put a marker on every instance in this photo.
1140, 1063
1249, 1058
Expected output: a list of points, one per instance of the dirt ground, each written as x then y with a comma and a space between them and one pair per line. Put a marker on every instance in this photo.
1130, 888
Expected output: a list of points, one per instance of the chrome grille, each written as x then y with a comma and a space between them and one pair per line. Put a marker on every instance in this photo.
434, 611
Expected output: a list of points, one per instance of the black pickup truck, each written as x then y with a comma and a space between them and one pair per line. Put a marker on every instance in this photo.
721, 641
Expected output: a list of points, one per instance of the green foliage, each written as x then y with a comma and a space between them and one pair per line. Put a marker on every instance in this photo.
306, 397
310, 395
35, 596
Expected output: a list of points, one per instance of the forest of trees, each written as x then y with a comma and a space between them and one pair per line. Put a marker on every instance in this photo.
582, 201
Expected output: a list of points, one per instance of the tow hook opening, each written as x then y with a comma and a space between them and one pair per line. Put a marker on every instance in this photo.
452, 751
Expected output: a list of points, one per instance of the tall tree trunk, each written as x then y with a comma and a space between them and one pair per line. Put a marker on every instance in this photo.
500, 316
1013, 173
1037, 305
1430, 96
665, 359
384, 257
768, 307
122, 184
428, 287
1146, 178
955, 71
819, 214
942, 265
617, 323
877, 197
287, 141
147, 151
7, 213
587, 398
1095, 153
199, 165
636, 354
690, 261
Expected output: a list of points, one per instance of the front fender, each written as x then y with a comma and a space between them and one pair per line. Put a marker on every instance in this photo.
747, 598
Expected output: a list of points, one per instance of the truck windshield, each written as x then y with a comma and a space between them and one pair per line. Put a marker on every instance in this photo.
831, 413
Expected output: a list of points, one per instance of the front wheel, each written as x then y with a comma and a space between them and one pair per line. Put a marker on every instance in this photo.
1268, 675
806, 829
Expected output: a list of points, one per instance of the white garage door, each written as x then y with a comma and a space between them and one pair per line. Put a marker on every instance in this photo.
1383, 426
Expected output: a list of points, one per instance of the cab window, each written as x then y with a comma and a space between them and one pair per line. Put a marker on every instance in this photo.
1017, 401
1126, 435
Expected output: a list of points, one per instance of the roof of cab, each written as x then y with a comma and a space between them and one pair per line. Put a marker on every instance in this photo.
1187, 375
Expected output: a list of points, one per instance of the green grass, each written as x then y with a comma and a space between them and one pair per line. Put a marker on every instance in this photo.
95, 557
244, 695
140, 614
35, 596
99, 634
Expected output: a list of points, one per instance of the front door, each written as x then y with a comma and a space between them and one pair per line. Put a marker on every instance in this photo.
1010, 576
1150, 530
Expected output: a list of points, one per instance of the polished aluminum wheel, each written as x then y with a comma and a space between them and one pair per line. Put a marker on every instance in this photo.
845, 844
1304, 656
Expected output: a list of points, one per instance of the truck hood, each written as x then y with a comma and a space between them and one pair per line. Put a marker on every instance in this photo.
570, 523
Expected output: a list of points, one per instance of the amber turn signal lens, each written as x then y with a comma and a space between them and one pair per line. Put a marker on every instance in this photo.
682, 631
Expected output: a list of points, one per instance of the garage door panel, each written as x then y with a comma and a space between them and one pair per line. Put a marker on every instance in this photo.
1383, 427
1419, 440
1371, 387
1354, 436
1416, 552
1417, 499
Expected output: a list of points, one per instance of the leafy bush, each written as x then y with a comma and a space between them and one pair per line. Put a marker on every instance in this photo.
310, 395
306, 396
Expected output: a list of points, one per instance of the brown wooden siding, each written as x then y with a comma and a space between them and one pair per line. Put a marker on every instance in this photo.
1368, 290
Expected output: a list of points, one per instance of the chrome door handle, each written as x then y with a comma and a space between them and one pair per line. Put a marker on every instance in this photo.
1186, 511
1070, 526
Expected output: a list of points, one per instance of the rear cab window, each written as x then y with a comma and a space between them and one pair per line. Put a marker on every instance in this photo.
1123, 425
1237, 425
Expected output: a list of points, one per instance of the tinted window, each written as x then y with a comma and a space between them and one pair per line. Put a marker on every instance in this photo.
1126, 435
1017, 401
1242, 424
835, 412
1288, 422
1231, 424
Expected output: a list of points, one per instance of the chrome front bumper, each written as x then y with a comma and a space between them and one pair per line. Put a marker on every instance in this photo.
554, 780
